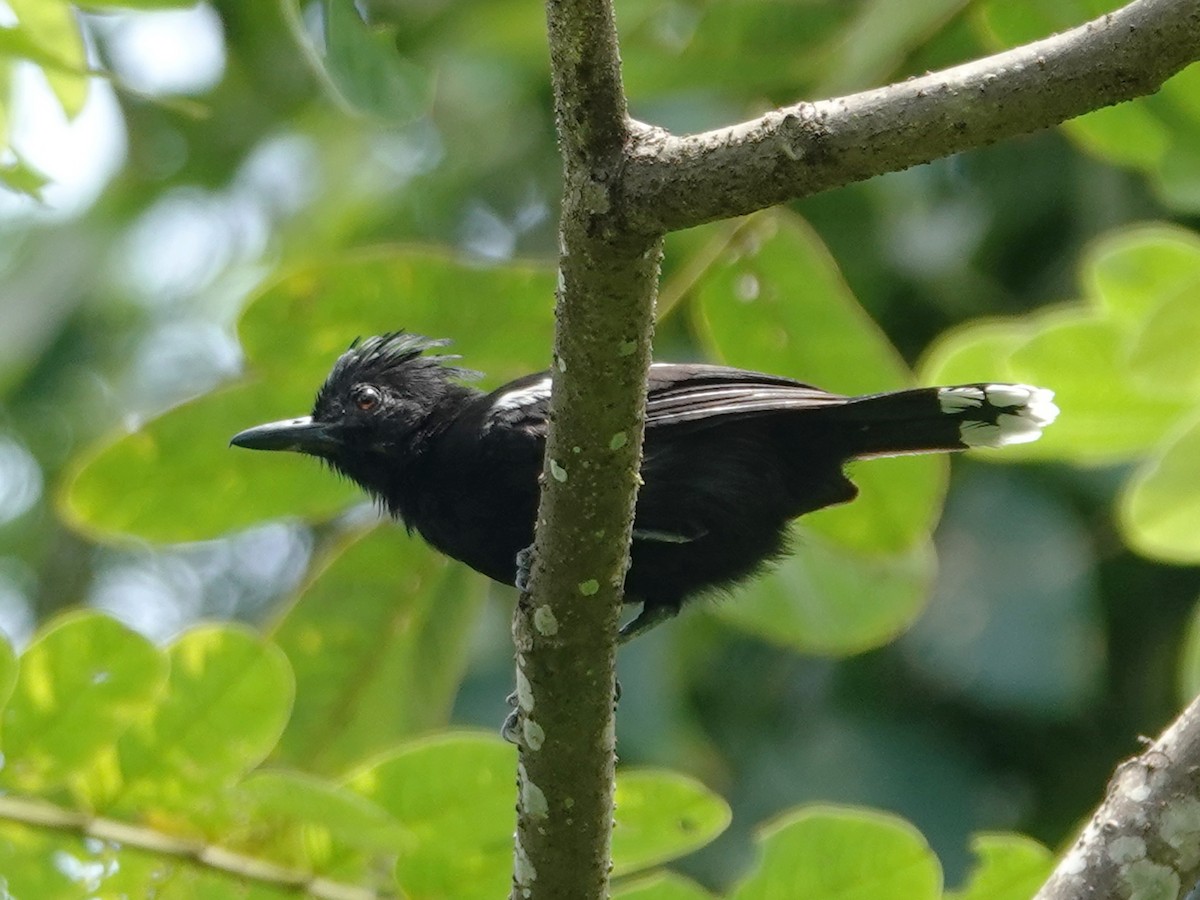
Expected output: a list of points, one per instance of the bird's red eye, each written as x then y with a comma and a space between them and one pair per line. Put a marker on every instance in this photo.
365, 397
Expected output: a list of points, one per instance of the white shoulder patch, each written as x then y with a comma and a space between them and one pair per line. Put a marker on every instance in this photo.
532, 393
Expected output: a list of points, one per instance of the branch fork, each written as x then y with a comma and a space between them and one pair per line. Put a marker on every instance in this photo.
626, 184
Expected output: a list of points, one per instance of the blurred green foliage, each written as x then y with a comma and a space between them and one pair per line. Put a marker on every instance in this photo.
232, 192
92, 724
1137, 328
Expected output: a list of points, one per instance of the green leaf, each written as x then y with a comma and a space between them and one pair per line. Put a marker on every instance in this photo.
877, 42
899, 500
366, 70
334, 812
322, 306
18, 175
773, 293
825, 852
227, 699
52, 26
1156, 134
1189, 659
747, 48
1178, 177
177, 479
8, 671
20, 43
1008, 867
1175, 170
120, 873
1106, 132
1021, 21
6, 76
827, 599
1160, 504
42, 864
454, 793
1106, 360
772, 300
1106, 416
661, 886
139, 4
1163, 353
190, 882
662, 815
378, 643
976, 352
82, 682
1131, 271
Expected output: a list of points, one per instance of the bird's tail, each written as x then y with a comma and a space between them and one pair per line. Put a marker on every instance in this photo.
932, 420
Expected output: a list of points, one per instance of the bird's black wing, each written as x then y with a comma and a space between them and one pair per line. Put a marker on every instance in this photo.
679, 393
691, 393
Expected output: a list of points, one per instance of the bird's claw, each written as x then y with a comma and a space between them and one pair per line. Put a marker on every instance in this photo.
510, 730
648, 618
524, 569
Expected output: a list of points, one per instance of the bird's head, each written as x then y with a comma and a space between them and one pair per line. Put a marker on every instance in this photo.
382, 395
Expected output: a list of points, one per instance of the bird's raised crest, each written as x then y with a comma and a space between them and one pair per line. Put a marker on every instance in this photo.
390, 355
393, 348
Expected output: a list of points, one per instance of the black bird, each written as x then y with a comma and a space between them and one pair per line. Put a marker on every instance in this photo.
730, 456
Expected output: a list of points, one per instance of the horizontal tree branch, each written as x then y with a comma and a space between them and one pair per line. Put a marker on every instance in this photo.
237, 866
677, 182
1144, 839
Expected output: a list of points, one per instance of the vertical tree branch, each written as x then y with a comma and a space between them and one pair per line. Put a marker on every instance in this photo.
624, 185
589, 100
565, 628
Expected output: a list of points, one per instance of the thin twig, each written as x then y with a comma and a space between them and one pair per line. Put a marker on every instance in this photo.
39, 814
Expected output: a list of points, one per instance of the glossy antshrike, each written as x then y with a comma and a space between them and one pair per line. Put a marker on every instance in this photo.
730, 456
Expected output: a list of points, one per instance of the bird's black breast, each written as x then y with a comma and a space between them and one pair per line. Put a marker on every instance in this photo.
478, 493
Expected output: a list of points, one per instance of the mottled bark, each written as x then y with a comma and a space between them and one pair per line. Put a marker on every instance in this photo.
625, 185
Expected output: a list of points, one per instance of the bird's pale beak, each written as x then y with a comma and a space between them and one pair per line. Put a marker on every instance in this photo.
302, 435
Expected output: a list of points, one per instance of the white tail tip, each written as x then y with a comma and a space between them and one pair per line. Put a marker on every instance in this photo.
996, 415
